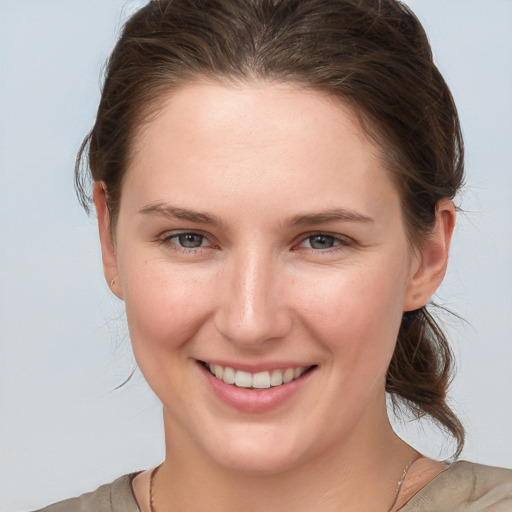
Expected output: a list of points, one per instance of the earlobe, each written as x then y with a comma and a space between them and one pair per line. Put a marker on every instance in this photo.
108, 252
432, 258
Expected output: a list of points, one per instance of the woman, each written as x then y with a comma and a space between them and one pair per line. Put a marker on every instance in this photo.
273, 182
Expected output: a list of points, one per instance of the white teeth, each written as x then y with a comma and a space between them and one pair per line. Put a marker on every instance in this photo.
297, 372
276, 378
229, 375
260, 380
243, 379
219, 371
288, 375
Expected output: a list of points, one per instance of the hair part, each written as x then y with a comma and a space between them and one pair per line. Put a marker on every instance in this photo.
372, 55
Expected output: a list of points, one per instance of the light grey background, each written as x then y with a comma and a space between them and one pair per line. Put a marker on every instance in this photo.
63, 429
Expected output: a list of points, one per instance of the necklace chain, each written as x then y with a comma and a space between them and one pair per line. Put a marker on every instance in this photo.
397, 490
151, 477
398, 485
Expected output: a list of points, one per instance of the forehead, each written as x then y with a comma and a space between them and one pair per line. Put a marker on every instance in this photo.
273, 139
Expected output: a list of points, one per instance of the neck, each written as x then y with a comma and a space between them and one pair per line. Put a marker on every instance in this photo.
370, 459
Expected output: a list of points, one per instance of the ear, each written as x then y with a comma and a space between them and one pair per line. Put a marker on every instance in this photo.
431, 258
108, 251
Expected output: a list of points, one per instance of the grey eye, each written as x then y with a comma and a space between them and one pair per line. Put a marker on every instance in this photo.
190, 240
322, 241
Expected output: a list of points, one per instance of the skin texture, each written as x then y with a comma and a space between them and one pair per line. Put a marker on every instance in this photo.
269, 167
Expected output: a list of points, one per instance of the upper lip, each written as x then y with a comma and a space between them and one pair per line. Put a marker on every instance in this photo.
257, 367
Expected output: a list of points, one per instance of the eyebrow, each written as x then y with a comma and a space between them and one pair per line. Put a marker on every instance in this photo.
304, 219
173, 212
334, 215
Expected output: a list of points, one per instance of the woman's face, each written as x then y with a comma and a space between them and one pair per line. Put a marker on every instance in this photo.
261, 239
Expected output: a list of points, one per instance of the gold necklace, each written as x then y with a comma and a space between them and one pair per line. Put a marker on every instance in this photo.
397, 490
398, 485
151, 477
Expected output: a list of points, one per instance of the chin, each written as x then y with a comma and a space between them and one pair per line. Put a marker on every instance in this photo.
258, 461
257, 451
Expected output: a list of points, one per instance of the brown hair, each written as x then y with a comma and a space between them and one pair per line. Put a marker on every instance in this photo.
371, 54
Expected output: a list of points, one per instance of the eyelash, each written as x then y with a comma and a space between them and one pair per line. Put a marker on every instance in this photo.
338, 241
168, 238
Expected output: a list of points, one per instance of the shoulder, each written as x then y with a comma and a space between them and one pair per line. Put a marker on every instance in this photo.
467, 487
114, 497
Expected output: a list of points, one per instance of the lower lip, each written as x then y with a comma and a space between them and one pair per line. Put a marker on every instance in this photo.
254, 400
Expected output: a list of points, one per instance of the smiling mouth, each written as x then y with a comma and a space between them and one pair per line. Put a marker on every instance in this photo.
260, 380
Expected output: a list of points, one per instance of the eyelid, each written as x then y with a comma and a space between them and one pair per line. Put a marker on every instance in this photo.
167, 238
344, 241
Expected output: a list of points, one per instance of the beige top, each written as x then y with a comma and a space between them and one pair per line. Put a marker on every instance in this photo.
462, 487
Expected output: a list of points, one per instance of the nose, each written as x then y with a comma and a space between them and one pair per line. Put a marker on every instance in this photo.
251, 302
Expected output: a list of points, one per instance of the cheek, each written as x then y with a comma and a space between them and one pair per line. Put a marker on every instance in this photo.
164, 306
357, 312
